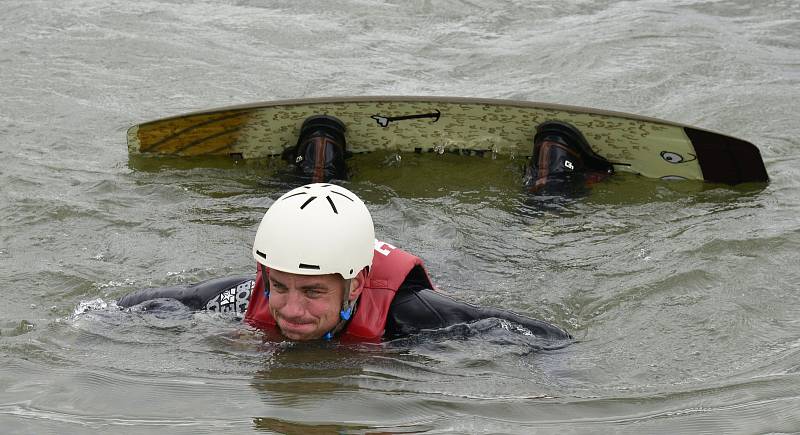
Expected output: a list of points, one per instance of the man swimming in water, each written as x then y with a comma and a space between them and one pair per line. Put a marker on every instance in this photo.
322, 274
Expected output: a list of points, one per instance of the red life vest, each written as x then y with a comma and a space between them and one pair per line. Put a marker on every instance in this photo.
390, 267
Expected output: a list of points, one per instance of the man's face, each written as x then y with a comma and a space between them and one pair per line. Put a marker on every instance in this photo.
306, 306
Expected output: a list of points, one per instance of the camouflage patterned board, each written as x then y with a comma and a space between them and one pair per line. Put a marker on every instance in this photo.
650, 147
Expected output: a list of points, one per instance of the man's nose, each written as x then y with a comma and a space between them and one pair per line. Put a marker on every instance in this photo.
295, 303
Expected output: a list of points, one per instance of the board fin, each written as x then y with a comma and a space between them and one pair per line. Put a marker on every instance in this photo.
725, 159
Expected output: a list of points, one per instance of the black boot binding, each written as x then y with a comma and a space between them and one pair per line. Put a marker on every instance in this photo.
562, 160
320, 151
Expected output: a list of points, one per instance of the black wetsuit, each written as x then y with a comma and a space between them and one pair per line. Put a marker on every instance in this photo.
414, 308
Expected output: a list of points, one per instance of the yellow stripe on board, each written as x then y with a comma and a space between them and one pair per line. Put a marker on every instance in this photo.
198, 135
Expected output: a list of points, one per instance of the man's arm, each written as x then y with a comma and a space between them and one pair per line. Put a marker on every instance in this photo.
416, 308
229, 294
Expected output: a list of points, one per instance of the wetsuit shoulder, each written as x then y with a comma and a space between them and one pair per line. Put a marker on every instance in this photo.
228, 294
416, 308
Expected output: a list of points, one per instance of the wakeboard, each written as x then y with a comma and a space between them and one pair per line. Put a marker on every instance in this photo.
647, 146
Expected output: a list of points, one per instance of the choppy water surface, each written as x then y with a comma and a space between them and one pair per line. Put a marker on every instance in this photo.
683, 296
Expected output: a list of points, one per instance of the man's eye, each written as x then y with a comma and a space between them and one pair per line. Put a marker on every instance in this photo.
277, 288
314, 293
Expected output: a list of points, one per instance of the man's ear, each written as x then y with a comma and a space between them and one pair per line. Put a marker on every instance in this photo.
357, 284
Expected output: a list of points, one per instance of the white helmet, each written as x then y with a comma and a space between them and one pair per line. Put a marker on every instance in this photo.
316, 229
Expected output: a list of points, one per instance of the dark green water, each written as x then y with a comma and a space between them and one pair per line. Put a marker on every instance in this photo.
683, 296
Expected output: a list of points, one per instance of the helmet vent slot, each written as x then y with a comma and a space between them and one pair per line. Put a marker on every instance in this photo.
308, 266
295, 194
342, 194
307, 202
261, 254
333, 206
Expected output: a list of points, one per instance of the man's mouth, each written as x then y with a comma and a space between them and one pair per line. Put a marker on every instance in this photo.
295, 325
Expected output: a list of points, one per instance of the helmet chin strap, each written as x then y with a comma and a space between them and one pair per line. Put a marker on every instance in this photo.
264, 278
345, 314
